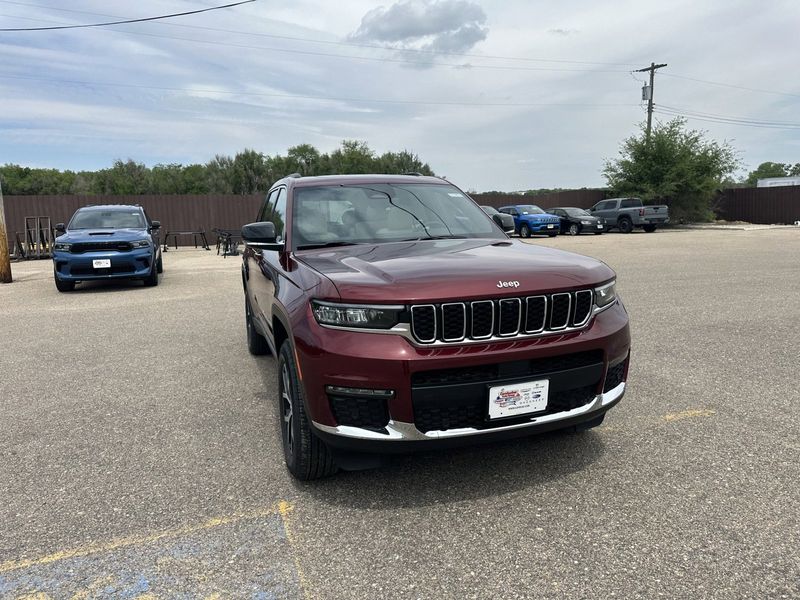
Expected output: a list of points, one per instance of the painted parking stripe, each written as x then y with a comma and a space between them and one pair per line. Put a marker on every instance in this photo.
243, 556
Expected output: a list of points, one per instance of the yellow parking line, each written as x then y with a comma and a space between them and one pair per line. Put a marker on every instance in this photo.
123, 542
689, 414
285, 509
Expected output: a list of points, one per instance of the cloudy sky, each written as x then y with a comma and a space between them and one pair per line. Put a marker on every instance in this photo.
494, 95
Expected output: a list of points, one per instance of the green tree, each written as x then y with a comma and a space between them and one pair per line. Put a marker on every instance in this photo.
772, 169
250, 172
124, 178
679, 167
353, 157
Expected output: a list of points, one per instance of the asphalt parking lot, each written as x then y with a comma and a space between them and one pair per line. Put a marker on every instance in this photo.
140, 455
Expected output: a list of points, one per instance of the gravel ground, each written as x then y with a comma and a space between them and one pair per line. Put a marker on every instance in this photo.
140, 456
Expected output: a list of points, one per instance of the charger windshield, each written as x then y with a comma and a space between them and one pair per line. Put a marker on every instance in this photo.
107, 219
375, 213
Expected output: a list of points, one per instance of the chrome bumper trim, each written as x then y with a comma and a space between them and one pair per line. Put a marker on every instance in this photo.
402, 431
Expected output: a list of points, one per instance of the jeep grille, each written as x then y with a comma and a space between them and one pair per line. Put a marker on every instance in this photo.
452, 322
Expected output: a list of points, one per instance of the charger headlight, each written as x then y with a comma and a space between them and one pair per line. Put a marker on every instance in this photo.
361, 316
605, 295
62, 247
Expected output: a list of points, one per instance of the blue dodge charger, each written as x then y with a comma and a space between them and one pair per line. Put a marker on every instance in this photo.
107, 242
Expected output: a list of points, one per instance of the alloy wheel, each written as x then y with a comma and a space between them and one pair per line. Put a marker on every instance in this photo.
287, 410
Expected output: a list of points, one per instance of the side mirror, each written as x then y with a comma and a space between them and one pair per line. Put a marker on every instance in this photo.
60, 228
261, 235
155, 225
594, 208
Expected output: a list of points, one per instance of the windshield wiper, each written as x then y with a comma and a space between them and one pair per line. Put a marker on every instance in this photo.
436, 237
327, 245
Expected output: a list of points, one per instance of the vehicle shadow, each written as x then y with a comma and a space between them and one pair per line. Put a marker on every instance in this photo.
481, 471
109, 285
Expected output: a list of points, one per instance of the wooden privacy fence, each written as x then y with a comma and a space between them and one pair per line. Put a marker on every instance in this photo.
206, 212
760, 205
176, 212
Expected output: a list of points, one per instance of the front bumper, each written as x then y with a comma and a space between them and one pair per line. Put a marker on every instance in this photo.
431, 406
79, 267
544, 227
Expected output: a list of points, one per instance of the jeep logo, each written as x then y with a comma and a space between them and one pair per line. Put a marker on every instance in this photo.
508, 284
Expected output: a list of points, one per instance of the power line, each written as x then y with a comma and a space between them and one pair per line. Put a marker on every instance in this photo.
724, 121
324, 98
142, 20
730, 85
340, 43
429, 64
697, 113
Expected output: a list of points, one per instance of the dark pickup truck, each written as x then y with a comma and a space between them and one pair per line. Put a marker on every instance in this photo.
626, 213
401, 318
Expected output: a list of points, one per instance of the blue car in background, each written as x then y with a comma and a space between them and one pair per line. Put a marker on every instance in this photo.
113, 241
529, 219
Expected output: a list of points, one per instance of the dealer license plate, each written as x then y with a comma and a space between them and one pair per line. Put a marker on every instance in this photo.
102, 263
550, 226
516, 399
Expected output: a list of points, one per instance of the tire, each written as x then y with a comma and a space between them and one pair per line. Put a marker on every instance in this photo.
625, 225
649, 228
574, 229
152, 279
524, 231
256, 343
306, 456
160, 264
63, 286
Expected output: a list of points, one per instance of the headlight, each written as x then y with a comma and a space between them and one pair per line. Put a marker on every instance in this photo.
605, 295
141, 244
356, 315
586, 222
62, 247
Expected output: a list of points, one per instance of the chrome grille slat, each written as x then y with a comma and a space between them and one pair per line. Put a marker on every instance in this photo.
502, 318
559, 308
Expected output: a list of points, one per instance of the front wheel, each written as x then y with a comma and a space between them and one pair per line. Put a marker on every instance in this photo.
160, 264
152, 279
625, 225
307, 457
649, 228
574, 229
524, 231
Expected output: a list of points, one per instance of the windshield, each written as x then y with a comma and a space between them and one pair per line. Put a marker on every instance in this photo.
576, 212
126, 218
370, 213
530, 209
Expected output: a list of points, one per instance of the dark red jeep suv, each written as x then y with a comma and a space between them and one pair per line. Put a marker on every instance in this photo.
403, 318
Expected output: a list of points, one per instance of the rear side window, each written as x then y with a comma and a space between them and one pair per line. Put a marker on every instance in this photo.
607, 205
630, 203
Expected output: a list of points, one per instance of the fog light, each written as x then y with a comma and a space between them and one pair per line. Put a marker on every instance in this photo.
338, 390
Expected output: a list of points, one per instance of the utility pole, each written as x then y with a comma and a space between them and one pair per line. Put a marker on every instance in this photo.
652, 68
5, 259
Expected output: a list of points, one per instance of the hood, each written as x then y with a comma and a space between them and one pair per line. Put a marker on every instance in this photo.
103, 235
442, 270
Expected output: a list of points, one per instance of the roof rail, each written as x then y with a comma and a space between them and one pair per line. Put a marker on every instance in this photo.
414, 173
295, 176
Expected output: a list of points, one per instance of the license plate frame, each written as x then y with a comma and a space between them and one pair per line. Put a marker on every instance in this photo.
101, 263
517, 399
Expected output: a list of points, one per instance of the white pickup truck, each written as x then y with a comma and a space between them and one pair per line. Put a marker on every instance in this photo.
626, 213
